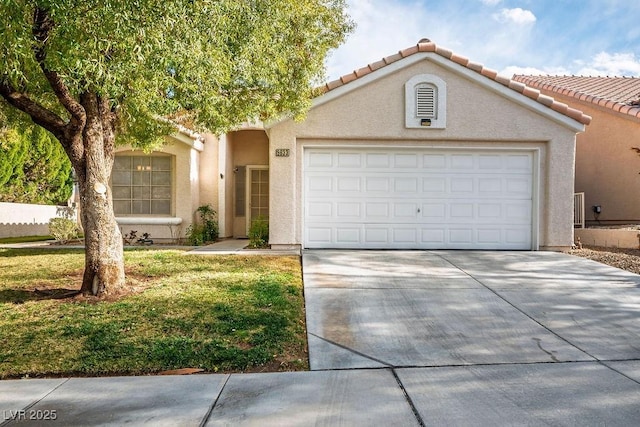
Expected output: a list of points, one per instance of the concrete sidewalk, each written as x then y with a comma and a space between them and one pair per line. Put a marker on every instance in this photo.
405, 338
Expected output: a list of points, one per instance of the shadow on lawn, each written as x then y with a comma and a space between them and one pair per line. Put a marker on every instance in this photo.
17, 252
20, 296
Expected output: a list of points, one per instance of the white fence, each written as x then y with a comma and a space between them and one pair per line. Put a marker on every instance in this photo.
578, 210
21, 219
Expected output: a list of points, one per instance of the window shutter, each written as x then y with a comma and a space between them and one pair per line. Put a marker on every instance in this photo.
426, 102
241, 198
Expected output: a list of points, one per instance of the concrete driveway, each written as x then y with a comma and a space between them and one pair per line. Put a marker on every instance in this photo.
482, 337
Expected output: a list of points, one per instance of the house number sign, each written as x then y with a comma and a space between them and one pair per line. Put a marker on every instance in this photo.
282, 152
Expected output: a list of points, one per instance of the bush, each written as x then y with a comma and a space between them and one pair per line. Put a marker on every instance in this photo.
65, 227
206, 230
259, 233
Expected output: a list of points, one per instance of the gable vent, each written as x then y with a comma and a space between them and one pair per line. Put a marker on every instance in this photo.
426, 102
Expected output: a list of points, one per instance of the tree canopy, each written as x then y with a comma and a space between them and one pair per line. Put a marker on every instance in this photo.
211, 63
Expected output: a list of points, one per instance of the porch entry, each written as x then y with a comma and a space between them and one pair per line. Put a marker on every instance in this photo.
257, 194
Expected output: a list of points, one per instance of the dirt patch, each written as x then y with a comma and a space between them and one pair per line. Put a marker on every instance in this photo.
135, 283
625, 259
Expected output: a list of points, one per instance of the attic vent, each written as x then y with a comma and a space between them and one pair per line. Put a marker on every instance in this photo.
426, 100
425, 97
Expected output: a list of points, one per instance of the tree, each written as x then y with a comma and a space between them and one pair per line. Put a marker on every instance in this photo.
33, 167
98, 73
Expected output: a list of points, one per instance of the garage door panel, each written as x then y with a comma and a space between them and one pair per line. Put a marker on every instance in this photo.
378, 185
376, 235
348, 235
413, 198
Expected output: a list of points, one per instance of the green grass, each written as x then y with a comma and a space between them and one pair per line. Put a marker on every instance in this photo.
217, 313
24, 239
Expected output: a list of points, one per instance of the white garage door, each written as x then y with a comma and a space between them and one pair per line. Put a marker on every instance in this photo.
417, 199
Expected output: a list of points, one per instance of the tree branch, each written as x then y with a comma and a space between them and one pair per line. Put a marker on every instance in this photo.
42, 26
71, 141
39, 114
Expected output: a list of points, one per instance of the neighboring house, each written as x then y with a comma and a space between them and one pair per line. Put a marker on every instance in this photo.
607, 167
422, 150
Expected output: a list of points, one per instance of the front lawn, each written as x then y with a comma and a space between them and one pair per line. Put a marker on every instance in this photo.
215, 313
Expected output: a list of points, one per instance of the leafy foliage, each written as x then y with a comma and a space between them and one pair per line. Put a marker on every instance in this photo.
259, 233
211, 64
33, 167
206, 230
64, 227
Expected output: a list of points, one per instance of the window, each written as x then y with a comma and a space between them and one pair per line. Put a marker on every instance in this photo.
141, 185
425, 102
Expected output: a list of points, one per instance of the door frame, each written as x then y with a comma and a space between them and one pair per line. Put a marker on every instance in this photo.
248, 170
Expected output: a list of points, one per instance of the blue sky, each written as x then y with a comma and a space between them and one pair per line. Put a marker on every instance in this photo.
559, 37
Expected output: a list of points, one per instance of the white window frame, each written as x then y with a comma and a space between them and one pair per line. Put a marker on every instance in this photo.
439, 119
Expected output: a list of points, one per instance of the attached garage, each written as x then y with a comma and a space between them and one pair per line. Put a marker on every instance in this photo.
425, 150
418, 198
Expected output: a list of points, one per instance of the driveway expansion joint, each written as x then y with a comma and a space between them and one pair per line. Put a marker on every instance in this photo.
415, 411
206, 417
350, 350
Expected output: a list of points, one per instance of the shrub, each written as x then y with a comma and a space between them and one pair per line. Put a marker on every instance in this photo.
64, 227
206, 230
259, 233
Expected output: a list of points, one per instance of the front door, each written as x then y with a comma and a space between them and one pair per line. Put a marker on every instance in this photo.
257, 193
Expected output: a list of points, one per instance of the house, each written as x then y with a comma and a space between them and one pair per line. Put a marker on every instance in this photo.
607, 166
421, 150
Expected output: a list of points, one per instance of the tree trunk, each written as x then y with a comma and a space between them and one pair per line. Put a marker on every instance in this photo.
87, 134
104, 259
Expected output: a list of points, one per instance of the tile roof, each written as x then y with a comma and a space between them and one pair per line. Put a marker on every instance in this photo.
425, 45
620, 94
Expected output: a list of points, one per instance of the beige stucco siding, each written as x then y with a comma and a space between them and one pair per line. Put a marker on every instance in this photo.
477, 117
607, 170
209, 173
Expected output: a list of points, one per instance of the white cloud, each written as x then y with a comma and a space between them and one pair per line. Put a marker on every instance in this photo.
602, 64
516, 16
610, 64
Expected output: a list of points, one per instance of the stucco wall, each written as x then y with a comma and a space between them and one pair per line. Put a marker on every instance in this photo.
22, 219
476, 117
607, 170
609, 238
209, 173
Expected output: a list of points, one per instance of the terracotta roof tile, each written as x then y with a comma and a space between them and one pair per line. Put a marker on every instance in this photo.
426, 46
518, 84
393, 58
615, 93
474, 66
409, 51
376, 65
362, 71
460, 60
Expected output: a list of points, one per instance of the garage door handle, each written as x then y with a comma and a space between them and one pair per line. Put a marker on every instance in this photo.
418, 210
